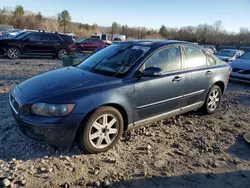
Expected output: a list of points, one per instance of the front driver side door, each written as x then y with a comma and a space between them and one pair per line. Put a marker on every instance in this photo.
159, 96
32, 43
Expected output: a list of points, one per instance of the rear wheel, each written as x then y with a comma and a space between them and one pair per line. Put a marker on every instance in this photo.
62, 53
102, 130
213, 100
13, 53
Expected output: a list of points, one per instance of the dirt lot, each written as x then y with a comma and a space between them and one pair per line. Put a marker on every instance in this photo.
191, 150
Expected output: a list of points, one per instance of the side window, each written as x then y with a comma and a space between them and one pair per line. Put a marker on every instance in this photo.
45, 37
194, 57
168, 60
35, 37
54, 38
96, 41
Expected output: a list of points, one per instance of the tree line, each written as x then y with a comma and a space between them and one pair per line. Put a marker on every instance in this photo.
202, 34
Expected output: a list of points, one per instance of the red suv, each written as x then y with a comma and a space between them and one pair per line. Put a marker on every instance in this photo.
90, 45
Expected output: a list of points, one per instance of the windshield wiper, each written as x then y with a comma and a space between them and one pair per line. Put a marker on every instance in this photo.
122, 66
118, 52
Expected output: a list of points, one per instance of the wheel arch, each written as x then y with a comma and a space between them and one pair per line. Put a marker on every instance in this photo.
221, 85
116, 106
15, 46
61, 49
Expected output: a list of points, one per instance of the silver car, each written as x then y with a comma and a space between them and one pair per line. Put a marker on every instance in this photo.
240, 68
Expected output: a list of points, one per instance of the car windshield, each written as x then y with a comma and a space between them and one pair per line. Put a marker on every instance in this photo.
80, 40
117, 39
95, 37
21, 35
227, 53
114, 60
245, 56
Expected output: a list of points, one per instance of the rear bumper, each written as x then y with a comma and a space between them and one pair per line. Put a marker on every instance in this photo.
58, 132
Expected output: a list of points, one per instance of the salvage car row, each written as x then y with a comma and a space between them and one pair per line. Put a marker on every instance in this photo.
15, 43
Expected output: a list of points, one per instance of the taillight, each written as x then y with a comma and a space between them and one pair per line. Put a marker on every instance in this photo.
229, 72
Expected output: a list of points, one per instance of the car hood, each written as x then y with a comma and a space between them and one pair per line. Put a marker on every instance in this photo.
60, 80
7, 39
241, 63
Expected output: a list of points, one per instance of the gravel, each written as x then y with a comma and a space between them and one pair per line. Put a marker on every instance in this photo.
190, 150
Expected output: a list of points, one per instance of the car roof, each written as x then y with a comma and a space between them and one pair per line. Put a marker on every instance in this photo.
157, 43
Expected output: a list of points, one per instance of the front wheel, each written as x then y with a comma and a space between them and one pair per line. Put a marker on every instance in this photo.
102, 130
13, 53
213, 100
62, 53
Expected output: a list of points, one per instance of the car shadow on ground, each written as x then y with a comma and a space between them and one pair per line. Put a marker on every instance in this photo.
225, 180
240, 149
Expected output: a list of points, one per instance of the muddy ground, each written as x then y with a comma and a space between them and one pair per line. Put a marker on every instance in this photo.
191, 150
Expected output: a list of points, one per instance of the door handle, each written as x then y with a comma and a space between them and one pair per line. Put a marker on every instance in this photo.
38, 43
177, 79
209, 73
56, 43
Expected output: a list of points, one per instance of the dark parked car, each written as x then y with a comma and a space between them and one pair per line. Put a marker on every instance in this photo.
122, 86
90, 44
38, 43
228, 55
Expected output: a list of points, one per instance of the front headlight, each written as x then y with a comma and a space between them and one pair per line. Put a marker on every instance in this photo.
56, 110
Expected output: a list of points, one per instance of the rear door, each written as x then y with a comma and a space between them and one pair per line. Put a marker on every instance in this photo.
50, 43
199, 75
97, 44
87, 45
163, 94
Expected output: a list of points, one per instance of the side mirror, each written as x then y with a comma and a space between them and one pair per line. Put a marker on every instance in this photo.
152, 72
27, 39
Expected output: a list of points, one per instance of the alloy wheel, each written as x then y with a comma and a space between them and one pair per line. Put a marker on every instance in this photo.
213, 100
103, 131
62, 53
13, 53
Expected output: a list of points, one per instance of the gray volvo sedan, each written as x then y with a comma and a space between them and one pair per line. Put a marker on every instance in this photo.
122, 86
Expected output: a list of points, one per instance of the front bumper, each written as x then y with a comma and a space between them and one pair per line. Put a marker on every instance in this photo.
240, 77
55, 131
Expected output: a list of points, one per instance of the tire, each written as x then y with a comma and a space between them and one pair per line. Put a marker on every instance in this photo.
213, 100
62, 53
13, 53
78, 50
103, 138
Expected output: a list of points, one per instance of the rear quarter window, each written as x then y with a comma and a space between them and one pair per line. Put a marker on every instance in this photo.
68, 39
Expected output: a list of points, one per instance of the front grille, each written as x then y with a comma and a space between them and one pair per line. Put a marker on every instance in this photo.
14, 104
241, 71
236, 69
